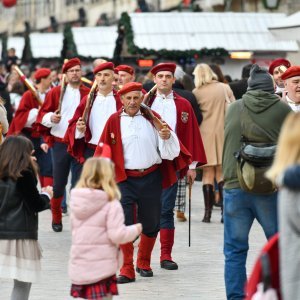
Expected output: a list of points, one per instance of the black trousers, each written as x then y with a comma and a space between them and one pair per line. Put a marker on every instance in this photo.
63, 163
146, 193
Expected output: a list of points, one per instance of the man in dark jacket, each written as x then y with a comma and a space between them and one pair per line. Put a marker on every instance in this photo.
240, 207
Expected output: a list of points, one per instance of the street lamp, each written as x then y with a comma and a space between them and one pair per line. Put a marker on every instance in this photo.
271, 4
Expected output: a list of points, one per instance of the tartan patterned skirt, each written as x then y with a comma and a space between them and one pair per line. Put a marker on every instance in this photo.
95, 291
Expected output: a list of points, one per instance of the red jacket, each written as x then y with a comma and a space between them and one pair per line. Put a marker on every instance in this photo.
27, 103
187, 129
51, 105
112, 136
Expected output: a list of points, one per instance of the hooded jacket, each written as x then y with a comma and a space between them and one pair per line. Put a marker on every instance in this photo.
98, 228
266, 110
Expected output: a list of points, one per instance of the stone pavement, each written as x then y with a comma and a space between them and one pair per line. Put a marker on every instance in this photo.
200, 273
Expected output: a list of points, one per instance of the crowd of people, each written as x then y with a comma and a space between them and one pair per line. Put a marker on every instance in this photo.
131, 148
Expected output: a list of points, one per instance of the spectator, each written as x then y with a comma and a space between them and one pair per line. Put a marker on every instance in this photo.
213, 98
239, 87
286, 172
265, 110
20, 203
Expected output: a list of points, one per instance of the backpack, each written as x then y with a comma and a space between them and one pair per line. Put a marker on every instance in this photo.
255, 156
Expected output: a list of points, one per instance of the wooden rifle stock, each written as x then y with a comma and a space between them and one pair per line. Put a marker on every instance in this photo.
63, 87
29, 85
89, 101
149, 95
158, 124
85, 80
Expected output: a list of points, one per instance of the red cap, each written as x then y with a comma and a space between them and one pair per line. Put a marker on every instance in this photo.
278, 62
70, 64
42, 73
130, 87
104, 66
103, 150
163, 67
291, 72
125, 68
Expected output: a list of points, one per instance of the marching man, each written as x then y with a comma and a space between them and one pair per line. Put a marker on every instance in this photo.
54, 123
142, 155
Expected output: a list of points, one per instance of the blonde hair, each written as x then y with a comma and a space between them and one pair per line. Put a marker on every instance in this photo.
203, 75
98, 173
288, 148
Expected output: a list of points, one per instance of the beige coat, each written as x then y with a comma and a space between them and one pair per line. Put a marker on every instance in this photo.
213, 103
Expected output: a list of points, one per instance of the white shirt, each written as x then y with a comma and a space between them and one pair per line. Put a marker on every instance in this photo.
294, 106
70, 102
142, 146
103, 107
166, 108
34, 112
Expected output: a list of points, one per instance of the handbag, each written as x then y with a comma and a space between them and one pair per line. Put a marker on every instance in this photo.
255, 156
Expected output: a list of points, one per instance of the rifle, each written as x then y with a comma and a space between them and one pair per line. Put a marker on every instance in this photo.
63, 87
1, 130
89, 101
149, 95
158, 124
85, 80
190, 200
29, 85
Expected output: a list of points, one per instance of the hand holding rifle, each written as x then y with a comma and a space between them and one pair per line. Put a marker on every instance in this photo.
149, 95
29, 85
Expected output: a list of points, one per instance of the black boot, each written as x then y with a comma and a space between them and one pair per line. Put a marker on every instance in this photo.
220, 186
208, 193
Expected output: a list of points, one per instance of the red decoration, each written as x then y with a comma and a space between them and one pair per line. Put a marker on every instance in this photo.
9, 3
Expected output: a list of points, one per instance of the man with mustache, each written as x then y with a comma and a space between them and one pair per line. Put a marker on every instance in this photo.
83, 135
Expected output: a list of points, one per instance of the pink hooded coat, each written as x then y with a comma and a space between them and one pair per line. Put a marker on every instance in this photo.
97, 229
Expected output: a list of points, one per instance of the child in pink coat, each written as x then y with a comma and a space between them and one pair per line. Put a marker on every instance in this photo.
97, 224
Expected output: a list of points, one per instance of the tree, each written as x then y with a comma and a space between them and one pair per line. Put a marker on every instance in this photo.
69, 49
27, 54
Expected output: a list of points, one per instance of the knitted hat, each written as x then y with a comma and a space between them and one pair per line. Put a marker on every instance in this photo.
260, 79
103, 151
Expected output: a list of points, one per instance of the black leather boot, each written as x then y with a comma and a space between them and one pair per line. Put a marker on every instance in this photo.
208, 194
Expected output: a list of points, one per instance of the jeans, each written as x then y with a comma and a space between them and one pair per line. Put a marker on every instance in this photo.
240, 210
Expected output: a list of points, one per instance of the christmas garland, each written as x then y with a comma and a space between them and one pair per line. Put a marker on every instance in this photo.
163, 53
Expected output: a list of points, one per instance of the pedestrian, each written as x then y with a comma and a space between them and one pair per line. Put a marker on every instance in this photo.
53, 124
20, 203
291, 79
213, 98
143, 156
285, 171
97, 222
260, 113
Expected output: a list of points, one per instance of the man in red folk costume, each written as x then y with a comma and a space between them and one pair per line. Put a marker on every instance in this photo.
53, 120
146, 158
83, 135
179, 114
24, 122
